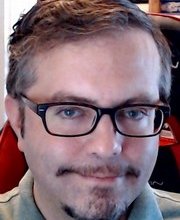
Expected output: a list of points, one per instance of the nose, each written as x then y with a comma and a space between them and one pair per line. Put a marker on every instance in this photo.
105, 141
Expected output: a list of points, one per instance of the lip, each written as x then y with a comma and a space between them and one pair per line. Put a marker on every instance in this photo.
101, 179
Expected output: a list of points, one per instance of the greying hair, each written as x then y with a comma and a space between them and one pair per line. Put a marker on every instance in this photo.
53, 22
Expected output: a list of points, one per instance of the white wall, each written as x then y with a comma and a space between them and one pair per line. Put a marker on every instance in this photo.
144, 7
2, 78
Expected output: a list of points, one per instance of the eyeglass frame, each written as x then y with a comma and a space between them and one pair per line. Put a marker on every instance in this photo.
41, 108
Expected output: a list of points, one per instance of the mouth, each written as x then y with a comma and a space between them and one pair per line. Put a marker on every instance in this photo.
99, 175
101, 178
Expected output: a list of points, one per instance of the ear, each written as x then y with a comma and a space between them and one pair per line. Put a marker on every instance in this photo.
13, 114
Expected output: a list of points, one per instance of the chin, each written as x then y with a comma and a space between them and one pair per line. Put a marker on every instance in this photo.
101, 204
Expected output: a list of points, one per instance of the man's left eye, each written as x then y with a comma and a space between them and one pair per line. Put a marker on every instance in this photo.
135, 114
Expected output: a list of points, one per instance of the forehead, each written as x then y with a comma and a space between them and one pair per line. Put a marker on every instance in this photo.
107, 68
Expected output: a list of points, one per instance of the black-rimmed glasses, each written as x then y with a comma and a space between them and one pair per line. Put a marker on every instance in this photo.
70, 119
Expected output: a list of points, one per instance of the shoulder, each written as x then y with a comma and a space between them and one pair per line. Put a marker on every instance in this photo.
8, 203
169, 204
19, 203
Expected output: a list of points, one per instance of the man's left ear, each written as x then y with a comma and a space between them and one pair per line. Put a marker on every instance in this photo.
13, 114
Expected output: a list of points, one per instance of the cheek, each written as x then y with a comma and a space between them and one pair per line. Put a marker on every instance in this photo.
38, 143
48, 152
142, 152
45, 154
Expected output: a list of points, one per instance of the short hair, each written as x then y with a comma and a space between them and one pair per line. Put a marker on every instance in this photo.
53, 22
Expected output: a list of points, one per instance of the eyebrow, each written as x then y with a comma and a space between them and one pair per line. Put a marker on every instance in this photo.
141, 99
67, 97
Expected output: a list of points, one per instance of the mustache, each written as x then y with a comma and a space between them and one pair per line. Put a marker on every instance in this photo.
100, 170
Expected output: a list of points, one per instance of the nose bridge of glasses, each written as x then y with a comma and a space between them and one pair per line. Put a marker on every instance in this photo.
110, 112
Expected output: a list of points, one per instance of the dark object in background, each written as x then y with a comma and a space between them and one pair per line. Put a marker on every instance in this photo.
166, 175
170, 27
173, 37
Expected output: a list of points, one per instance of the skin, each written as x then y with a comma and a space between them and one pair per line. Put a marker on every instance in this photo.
106, 70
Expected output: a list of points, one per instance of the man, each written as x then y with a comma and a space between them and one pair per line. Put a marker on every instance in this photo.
87, 97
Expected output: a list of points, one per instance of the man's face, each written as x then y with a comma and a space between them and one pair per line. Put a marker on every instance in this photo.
105, 171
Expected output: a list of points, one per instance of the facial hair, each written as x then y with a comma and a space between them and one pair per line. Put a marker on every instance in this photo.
101, 205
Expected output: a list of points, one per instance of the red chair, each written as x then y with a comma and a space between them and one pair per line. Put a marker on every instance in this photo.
12, 162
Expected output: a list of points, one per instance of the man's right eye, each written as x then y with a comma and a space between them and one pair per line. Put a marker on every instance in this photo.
69, 113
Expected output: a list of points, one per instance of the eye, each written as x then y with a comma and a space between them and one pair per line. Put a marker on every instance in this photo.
69, 112
135, 113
